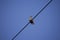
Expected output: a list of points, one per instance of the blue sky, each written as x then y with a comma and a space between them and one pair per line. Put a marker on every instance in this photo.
14, 14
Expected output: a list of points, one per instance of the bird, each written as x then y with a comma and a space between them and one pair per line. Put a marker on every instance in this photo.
31, 20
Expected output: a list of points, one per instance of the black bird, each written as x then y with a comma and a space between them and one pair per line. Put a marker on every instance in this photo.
31, 20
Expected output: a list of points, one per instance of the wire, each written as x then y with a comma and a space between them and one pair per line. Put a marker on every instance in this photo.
20, 31
33, 18
42, 9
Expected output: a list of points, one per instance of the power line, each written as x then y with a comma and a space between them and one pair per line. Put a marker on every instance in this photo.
20, 31
42, 9
33, 18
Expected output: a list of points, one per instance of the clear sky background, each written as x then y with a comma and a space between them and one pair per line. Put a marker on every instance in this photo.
14, 14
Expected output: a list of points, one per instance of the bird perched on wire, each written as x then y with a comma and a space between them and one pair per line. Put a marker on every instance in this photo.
31, 20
